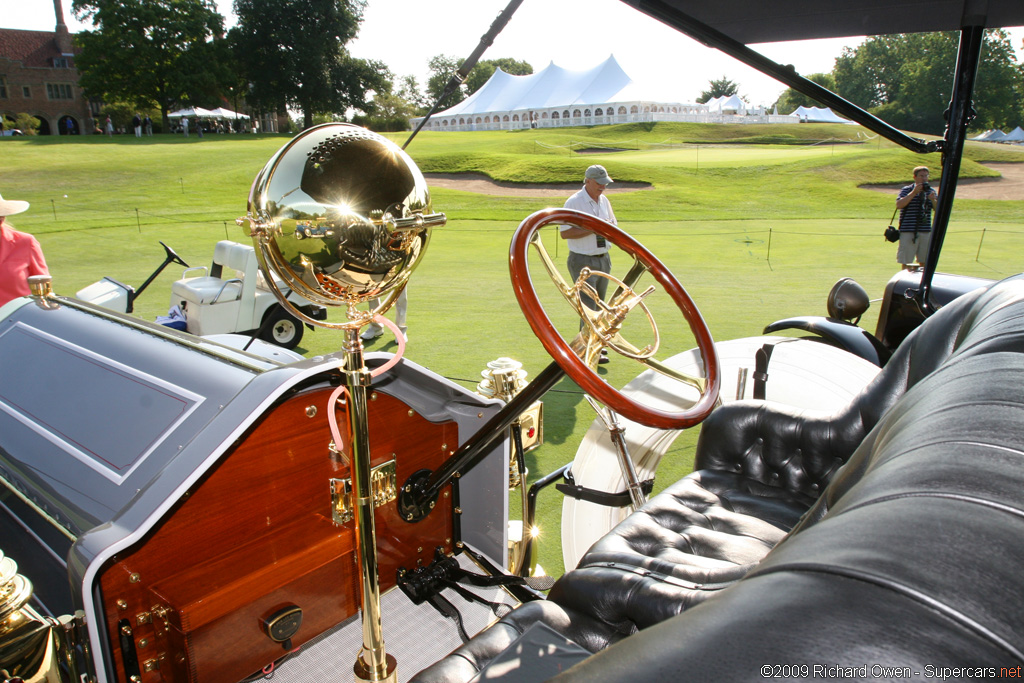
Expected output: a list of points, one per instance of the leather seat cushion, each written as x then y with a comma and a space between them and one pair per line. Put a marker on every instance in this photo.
469, 659
697, 537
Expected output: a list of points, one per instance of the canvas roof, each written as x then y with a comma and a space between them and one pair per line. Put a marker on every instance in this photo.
991, 135
819, 115
555, 86
192, 111
757, 21
1015, 135
726, 102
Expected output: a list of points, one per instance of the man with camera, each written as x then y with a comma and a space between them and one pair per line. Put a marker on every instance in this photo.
915, 203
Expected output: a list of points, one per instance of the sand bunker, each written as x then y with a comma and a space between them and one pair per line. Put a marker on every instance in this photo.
1009, 186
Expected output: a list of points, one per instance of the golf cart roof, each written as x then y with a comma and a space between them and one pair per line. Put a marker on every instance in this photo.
757, 21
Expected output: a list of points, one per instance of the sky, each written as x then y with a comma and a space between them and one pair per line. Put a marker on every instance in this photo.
575, 34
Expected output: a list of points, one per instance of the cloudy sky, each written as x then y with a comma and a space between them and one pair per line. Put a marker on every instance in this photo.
575, 34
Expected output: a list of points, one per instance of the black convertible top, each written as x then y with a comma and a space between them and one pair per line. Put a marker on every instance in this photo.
765, 21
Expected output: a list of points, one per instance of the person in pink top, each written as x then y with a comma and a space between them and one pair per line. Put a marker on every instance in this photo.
20, 254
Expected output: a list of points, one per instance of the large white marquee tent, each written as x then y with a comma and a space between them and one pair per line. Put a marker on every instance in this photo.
603, 94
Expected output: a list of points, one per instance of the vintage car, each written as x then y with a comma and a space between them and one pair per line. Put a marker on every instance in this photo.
173, 508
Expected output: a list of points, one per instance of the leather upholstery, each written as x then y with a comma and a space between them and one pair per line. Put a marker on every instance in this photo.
886, 534
468, 660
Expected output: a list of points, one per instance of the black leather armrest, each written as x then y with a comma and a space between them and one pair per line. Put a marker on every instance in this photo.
778, 446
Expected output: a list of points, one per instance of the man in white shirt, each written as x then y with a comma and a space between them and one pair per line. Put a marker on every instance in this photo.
587, 249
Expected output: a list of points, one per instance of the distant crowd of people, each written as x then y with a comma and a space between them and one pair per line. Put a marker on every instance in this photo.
142, 126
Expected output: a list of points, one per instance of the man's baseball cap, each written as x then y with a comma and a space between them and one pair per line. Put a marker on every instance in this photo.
597, 173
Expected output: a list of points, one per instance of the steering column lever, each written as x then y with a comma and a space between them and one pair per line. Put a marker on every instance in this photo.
618, 436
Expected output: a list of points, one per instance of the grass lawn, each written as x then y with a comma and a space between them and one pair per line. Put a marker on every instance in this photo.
755, 231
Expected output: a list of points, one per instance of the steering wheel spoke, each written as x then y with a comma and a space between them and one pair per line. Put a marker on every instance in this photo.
603, 325
698, 383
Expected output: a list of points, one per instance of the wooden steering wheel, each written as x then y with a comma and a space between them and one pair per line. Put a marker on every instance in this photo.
578, 358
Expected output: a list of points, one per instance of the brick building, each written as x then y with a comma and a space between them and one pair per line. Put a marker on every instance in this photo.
38, 77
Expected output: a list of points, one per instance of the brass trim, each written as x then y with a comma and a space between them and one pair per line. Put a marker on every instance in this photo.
383, 490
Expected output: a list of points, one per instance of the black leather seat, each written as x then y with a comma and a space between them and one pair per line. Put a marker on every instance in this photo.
869, 536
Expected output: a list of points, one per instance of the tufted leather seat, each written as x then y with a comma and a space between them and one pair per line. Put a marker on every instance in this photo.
806, 538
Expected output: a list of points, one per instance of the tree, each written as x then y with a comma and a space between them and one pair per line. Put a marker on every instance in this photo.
293, 54
907, 79
442, 68
26, 123
722, 87
791, 99
410, 92
150, 52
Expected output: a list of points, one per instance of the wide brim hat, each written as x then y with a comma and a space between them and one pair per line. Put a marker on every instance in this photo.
9, 207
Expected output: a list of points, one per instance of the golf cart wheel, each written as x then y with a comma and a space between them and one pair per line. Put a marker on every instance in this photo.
283, 329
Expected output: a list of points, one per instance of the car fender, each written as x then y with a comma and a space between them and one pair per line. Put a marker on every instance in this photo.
839, 333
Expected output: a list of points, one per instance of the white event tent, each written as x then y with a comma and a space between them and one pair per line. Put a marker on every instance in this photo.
556, 97
726, 103
818, 115
1016, 135
990, 135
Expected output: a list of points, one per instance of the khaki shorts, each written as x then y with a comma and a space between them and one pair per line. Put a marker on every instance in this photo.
913, 246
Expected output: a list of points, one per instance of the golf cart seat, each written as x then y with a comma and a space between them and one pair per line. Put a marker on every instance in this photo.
805, 537
214, 288
224, 299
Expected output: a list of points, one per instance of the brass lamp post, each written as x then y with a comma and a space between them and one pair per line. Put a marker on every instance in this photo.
340, 216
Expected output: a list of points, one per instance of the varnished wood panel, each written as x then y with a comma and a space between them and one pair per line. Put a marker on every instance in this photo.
257, 535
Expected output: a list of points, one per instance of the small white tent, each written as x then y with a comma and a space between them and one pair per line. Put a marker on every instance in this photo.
991, 135
726, 103
818, 115
191, 111
222, 113
1016, 135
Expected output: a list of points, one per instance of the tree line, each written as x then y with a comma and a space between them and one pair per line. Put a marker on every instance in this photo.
281, 55
291, 55
906, 80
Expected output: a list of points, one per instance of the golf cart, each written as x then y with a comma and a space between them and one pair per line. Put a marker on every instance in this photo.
187, 511
228, 297
120, 297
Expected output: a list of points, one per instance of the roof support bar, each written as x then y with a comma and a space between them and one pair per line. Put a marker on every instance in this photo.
958, 117
786, 74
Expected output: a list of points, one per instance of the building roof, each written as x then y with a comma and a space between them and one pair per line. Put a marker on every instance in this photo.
31, 48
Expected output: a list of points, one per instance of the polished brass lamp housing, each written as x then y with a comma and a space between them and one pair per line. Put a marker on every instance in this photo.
342, 215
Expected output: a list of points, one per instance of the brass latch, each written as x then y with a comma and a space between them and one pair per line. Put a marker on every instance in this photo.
383, 488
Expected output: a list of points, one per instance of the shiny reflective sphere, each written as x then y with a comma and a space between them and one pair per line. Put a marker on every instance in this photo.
341, 215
